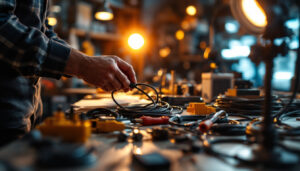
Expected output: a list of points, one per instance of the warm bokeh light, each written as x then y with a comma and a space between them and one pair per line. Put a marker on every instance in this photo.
191, 10
254, 12
164, 52
179, 34
136, 131
185, 25
138, 151
52, 21
136, 41
213, 65
104, 16
206, 53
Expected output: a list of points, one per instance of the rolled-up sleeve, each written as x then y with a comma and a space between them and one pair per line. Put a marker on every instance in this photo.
27, 49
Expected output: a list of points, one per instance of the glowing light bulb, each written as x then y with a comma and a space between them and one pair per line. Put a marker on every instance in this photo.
52, 21
191, 10
254, 12
136, 41
179, 34
104, 15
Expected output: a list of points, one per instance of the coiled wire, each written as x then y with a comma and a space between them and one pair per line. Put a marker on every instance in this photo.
155, 108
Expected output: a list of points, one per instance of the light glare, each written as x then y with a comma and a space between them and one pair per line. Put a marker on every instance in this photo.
191, 10
104, 16
136, 41
164, 52
254, 12
179, 35
52, 21
236, 52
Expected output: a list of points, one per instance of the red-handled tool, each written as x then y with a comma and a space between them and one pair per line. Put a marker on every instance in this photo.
147, 120
205, 125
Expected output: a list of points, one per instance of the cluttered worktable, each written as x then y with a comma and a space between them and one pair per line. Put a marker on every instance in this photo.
193, 137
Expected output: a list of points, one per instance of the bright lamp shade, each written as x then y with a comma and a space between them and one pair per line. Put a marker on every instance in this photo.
104, 16
250, 14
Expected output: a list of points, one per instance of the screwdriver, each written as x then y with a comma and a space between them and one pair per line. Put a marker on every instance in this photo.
205, 125
148, 120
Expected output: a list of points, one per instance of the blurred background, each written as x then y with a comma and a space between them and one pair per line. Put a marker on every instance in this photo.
163, 40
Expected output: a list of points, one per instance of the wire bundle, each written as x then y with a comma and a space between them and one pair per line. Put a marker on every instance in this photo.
246, 106
155, 108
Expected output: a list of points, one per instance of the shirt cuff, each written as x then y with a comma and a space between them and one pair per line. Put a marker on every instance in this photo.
56, 60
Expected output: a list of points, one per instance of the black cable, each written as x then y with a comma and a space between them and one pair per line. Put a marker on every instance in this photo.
155, 108
187, 120
96, 113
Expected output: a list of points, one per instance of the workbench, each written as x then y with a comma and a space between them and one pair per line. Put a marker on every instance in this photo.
113, 155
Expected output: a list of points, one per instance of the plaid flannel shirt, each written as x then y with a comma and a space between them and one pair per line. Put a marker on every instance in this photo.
27, 43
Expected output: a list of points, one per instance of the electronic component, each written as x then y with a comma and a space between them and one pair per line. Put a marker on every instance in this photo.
136, 135
105, 126
152, 161
200, 109
181, 100
122, 136
160, 134
242, 92
73, 130
148, 120
214, 84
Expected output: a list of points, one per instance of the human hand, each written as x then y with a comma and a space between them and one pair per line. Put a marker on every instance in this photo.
107, 72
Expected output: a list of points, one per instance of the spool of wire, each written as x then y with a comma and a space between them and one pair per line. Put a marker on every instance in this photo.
246, 106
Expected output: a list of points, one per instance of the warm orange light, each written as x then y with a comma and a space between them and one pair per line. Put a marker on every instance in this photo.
213, 65
52, 21
164, 52
136, 41
185, 25
206, 53
104, 16
191, 10
254, 12
179, 34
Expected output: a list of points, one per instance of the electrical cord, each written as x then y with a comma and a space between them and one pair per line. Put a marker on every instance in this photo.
187, 120
96, 113
155, 108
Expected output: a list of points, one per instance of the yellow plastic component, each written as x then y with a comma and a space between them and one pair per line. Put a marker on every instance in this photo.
231, 92
200, 109
73, 130
104, 126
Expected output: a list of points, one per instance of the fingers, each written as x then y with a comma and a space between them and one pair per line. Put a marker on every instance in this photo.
116, 85
108, 87
123, 80
127, 69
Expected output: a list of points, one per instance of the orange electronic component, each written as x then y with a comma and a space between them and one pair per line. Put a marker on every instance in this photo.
105, 126
242, 92
200, 109
73, 130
